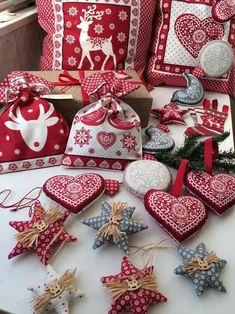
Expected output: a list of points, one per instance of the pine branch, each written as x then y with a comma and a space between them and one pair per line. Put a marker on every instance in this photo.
193, 150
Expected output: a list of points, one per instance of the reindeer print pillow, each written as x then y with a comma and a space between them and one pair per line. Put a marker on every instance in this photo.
181, 29
95, 35
33, 135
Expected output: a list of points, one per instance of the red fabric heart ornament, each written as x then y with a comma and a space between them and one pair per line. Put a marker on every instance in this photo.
75, 193
112, 187
179, 216
218, 191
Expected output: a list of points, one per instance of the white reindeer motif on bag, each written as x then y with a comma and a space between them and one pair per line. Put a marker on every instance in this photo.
93, 43
33, 132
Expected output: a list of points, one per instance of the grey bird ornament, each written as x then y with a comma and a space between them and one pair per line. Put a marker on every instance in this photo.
192, 94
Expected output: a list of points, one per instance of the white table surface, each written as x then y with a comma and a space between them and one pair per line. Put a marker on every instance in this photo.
26, 270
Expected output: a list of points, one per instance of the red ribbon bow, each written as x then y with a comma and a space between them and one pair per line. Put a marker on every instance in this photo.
15, 82
108, 84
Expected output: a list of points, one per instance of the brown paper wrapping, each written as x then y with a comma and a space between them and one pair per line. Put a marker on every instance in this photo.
139, 100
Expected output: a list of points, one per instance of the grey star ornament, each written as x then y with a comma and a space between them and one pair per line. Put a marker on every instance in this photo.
202, 267
114, 224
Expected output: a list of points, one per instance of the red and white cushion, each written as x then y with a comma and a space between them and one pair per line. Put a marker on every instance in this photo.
181, 29
108, 34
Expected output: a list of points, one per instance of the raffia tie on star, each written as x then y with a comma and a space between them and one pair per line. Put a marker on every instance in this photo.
202, 267
114, 224
132, 289
56, 293
41, 233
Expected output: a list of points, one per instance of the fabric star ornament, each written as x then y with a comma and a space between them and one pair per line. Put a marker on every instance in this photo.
202, 267
114, 224
41, 233
56, 293
170, 114
132, 289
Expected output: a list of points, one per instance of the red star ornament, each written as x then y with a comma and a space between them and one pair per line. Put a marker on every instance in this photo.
132, 290
41, 233
170, 114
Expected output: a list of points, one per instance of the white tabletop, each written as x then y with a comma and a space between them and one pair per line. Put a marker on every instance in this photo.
25, 270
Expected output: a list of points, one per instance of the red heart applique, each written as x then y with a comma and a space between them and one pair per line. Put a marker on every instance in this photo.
181, 217
106, 139
194, 33
217, 192
112, 187
74, 193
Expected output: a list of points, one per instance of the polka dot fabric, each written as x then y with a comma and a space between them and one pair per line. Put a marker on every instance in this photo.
112, 187
124, 25
137, 301
175, 46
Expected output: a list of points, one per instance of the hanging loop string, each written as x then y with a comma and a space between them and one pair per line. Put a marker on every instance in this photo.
26, 202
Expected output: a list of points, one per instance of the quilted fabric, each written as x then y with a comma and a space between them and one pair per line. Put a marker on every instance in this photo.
108, 34
181, 29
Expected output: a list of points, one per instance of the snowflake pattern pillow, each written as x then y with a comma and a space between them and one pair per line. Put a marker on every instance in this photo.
182, 28
99, 35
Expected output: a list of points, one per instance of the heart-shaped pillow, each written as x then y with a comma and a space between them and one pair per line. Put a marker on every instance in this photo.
75, 193
217, 192
180, 217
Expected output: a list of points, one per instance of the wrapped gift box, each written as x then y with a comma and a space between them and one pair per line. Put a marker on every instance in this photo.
139, 100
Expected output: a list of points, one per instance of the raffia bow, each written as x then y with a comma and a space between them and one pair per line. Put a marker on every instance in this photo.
54, 289
29, 237
199, 264
111, 228
118, 288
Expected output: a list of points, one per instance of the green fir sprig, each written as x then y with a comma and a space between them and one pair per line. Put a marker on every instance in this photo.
193, 150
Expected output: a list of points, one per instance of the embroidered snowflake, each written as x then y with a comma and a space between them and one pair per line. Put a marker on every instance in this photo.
70, 39
17, 151
98, 29
97, 58
122, 15
72, 61
121, 51
112, 26
72, 11
121, 37
77, 50
68, 24
108, 11
128, 142
91, 151
82, 137
56, 146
